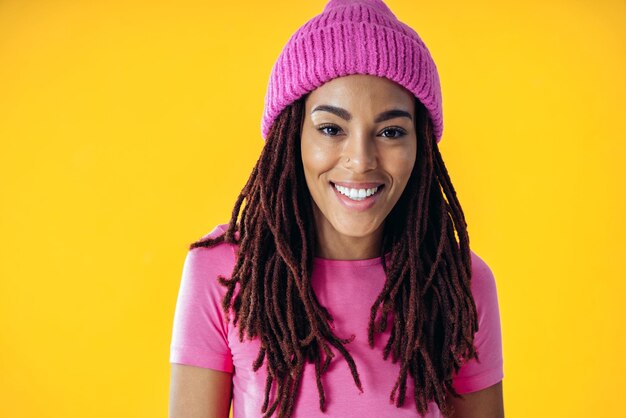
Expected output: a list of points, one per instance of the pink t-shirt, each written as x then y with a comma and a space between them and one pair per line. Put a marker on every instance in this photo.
347, 288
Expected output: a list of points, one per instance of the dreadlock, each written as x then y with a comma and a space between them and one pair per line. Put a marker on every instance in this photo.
427, 287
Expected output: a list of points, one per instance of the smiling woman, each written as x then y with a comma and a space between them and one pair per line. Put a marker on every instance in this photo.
345, 253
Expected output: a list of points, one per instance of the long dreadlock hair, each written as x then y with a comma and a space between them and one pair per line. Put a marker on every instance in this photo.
427, 288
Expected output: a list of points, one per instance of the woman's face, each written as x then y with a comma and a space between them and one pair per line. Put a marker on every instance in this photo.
358, 150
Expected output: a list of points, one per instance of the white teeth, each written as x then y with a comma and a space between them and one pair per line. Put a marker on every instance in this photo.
356, 194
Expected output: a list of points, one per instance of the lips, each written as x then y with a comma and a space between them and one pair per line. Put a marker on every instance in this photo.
358, 205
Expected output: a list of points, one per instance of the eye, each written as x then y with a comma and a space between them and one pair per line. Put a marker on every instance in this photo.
329, 129
395, 132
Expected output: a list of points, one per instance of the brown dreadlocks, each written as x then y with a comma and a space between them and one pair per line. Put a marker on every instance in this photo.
427, 287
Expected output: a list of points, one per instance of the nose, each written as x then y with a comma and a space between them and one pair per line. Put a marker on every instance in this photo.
360, 152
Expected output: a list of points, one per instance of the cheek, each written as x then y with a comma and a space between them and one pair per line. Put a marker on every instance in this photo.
400, 163
316, 159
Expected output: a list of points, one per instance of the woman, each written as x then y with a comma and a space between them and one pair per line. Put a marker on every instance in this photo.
341, 290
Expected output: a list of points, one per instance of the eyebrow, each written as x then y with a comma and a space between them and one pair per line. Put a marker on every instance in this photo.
344, 114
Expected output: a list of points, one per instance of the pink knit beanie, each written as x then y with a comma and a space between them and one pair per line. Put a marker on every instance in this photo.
353, 37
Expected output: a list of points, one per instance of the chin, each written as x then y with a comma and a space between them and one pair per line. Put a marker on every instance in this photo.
355, 229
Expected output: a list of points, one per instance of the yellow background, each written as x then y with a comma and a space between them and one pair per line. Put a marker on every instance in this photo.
128, 128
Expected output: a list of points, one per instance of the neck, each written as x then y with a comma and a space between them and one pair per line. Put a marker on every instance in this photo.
336, 246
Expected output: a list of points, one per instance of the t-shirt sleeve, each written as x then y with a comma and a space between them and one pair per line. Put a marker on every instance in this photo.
200, 330
474, 376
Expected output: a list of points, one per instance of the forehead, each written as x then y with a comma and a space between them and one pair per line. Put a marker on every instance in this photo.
361, 91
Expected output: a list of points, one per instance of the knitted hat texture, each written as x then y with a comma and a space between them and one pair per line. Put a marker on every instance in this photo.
353, 37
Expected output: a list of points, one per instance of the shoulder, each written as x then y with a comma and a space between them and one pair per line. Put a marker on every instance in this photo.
480, 374
485, 294
200, 331
209, 262
217, 230
220, 253
480, 268
483, 281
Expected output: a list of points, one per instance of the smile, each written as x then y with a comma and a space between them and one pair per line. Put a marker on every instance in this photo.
358, 199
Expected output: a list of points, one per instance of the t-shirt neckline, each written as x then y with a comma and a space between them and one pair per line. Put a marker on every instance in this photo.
328, 262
